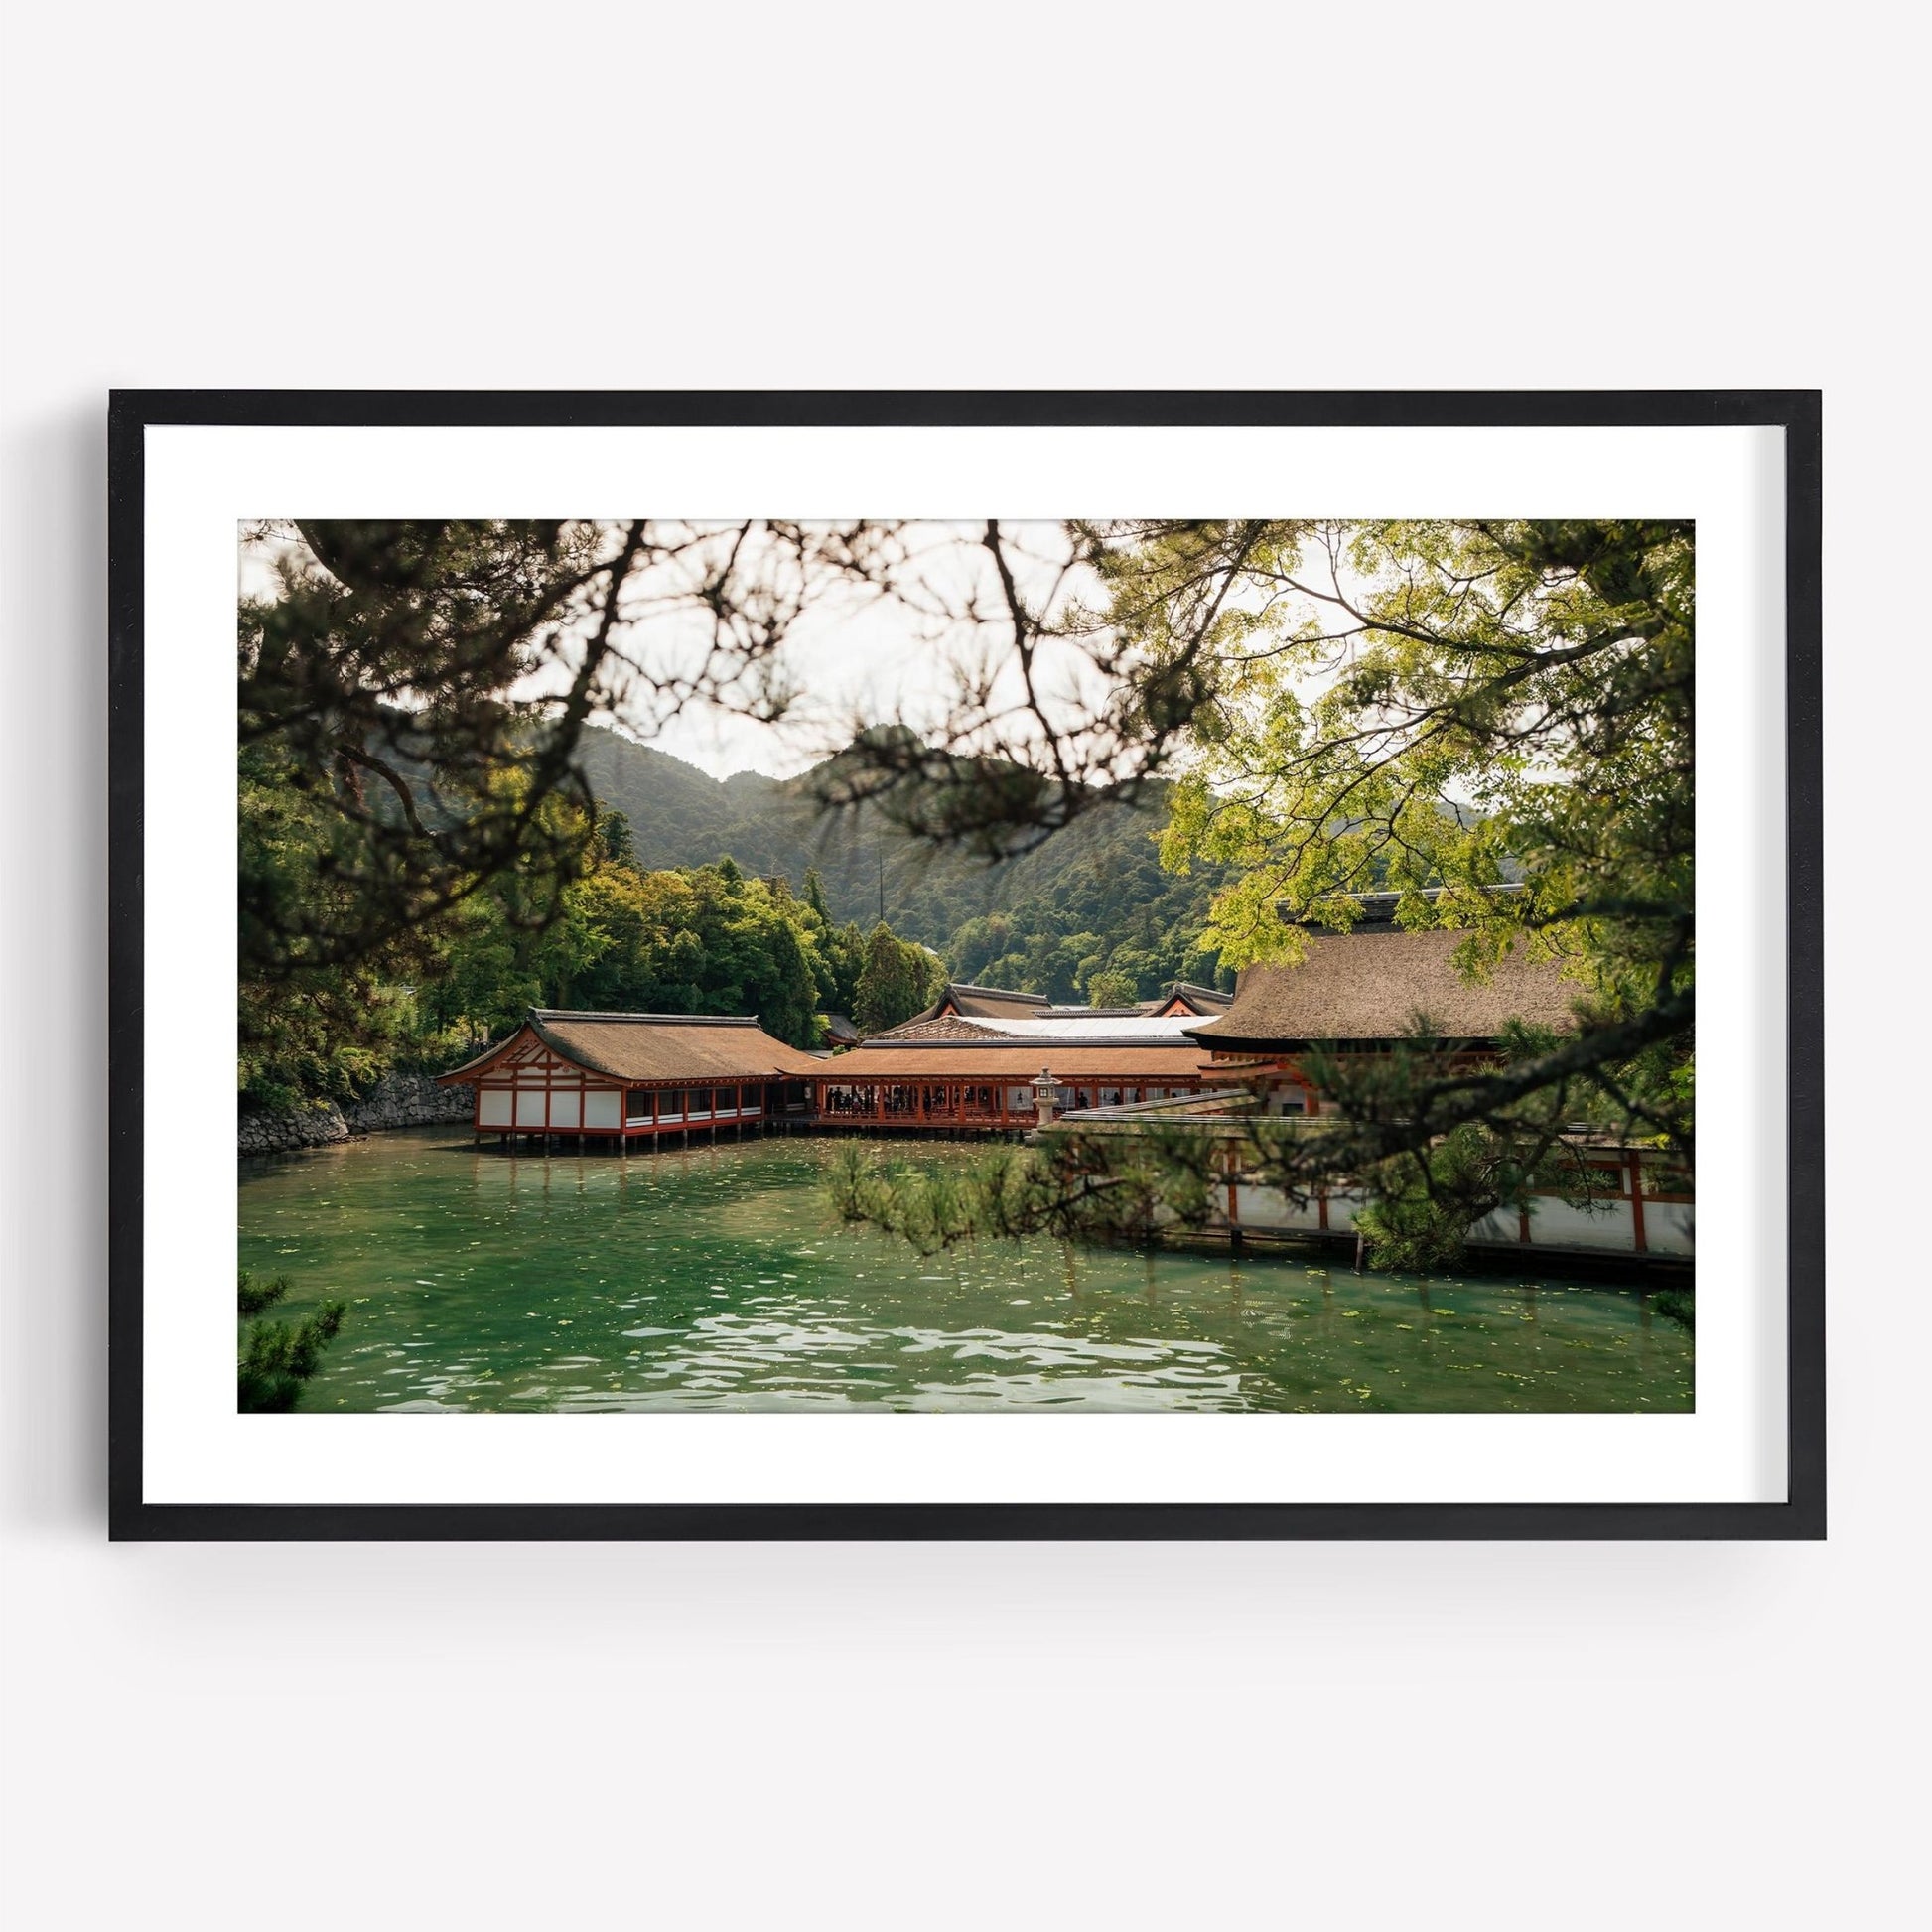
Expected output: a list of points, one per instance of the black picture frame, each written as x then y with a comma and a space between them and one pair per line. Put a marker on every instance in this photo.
1798, 413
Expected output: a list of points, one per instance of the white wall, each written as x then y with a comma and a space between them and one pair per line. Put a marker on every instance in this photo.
1370, 1736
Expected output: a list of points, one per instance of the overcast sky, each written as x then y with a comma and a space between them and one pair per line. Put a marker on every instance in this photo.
854, 657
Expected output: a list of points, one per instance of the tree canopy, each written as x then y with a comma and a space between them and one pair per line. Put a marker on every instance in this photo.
1496, 721
1493, 719
897, 981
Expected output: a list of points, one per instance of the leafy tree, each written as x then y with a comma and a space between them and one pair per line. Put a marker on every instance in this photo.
412, 703
276, 1358
843, 950
1157, 1178
894, 983
1075, 1184
1495, 719
704, 940
378, 714
615, 845
1111, 988
426, 686
1445, 706
1504, 737
1445, 709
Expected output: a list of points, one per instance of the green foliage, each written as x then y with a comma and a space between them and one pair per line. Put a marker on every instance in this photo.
1084, 1184
1677, 1305
1072, 1185
637, 933
1003, 1193
706, 941
254, 1298
275, 1358
1110, 988
1443, 709
1422, 1204
390, 763
615, 846
1095, 892
415, 819
896, 982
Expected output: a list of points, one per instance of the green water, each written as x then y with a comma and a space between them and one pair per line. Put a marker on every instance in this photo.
717, 1279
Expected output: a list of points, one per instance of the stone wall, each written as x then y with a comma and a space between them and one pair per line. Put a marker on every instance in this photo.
317, 1124
409, 1100
396, 1101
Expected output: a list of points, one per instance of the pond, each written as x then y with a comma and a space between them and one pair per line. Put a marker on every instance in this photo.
718, 1278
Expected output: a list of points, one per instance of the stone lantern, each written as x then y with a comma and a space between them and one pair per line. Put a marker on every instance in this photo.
1046, 1098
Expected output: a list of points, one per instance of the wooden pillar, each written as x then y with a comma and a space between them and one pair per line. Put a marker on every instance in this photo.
1633, 1167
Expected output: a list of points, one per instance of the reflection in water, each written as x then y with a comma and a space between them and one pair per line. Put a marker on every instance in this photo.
713, 1277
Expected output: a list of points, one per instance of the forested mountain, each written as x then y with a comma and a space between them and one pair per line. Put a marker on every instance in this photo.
675, 914
1092, 898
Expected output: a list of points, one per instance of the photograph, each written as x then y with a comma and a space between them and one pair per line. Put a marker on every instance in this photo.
1031, 865
1119, 966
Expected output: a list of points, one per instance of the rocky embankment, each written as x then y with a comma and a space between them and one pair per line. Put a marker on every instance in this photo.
396, 1101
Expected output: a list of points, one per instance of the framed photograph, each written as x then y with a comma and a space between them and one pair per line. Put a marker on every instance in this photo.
966, 965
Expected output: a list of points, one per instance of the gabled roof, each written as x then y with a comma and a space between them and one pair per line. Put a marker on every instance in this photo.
981, 1001
1186, 996
653, 1047
1375, 983
947, 1026
969, 1001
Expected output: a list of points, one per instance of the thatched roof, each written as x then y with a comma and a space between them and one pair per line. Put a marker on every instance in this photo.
1375, 984
678, 1047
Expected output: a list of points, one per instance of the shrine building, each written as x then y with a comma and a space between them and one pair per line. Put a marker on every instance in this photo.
633, 1076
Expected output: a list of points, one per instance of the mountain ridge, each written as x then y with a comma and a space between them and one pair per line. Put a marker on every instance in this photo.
1095, 886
